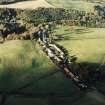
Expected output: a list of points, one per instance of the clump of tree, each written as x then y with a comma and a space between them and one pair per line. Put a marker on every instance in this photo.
60, 15
10, 22
100, 10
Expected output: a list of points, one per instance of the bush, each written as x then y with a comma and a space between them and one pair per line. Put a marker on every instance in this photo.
10, 22
15, 37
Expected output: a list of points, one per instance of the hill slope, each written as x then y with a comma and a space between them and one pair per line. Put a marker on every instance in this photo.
28, 4
85, 5
10, 1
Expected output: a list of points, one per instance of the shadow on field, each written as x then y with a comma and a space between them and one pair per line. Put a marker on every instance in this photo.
20, 86
82, 31
96, 75
73, 35
63, 98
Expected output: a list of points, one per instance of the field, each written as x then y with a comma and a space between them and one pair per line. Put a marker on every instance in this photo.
30, 77
10, 1
25, 68
82, 5
31, 4
86, 43
18, 57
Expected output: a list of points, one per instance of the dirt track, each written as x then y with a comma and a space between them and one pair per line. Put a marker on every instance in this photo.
28, 4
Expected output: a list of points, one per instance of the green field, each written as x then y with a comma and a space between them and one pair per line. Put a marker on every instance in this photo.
22, 64
19, 61
28, 77
88, 44
25, 65
82, 5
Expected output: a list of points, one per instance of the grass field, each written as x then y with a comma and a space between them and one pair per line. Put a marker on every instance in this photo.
23, 65
88, 44
28, 70
82, 5
25, 69
29, 4
18, 58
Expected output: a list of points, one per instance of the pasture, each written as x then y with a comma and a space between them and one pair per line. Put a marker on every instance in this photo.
31, 78
28, 72
27, 75
82, 5
88, 44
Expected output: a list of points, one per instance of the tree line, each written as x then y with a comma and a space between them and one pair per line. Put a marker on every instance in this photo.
19, 21
59, 15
